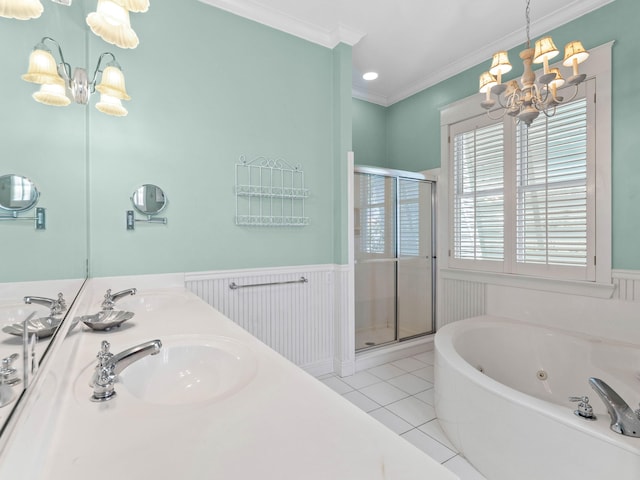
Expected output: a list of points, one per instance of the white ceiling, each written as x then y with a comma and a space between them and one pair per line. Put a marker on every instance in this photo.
412, 44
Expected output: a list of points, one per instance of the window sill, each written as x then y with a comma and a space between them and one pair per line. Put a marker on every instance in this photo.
571, 287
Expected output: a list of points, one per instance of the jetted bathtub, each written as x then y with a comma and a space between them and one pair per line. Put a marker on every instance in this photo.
502, 391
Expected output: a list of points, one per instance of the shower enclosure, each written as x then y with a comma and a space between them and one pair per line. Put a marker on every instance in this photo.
394, 256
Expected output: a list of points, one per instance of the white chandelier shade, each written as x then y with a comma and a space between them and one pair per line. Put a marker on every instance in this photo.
21, 9
111, 22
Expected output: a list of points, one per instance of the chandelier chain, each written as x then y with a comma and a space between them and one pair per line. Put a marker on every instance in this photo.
527, 11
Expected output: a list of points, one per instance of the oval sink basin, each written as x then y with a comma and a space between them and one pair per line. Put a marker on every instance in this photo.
190, 370
151, 301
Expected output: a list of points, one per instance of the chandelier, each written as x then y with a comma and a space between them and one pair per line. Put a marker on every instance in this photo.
525, 101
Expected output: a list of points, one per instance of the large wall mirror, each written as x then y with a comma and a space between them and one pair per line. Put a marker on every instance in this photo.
46, 145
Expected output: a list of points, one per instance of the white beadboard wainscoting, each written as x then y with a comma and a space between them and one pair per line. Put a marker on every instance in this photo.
305, 322
459, 299
608, 311
627, 283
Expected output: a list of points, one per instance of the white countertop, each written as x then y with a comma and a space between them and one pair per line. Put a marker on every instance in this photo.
284, 424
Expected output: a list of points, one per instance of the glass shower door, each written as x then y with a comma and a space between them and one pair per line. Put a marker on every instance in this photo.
375, 260
414, 267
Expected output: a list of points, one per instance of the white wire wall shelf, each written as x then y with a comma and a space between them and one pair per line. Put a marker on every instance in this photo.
270, 193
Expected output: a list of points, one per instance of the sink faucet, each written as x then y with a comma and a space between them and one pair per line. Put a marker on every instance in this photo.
110, 365
110, 298
623, 420
56, 306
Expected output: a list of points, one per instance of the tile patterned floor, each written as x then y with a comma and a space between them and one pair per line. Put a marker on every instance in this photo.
400, 395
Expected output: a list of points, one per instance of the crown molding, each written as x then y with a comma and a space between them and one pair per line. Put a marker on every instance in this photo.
343, 34
289, 24
539, 27
370, 97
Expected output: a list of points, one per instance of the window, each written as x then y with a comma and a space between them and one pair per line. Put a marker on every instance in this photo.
553, 213
522, 198
478, 185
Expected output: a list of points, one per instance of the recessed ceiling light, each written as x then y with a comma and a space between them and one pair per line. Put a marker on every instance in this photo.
370, 76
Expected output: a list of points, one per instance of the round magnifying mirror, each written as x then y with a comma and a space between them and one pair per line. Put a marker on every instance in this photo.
149, 199
17, 193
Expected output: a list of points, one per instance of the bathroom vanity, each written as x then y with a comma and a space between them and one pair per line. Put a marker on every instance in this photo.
213, 403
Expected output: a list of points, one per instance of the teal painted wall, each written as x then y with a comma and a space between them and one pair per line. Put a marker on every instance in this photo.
413, 125
369, 133
342, 145
47, 145
213, 87
206, 88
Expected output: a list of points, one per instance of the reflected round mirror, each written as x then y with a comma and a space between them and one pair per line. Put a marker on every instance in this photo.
149, 199
17, 193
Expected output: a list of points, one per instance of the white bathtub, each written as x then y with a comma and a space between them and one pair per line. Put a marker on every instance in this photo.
512, 423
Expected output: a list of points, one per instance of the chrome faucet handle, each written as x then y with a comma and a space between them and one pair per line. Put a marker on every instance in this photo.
108, 302
62, 303
8, 374
104, 376
104, 354
584, 409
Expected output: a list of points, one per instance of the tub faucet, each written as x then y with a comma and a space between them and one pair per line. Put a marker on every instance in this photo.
56, 306
110, 298
110, 365
623, 420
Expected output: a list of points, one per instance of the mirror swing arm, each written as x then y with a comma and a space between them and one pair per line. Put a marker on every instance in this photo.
40, 218
131, 220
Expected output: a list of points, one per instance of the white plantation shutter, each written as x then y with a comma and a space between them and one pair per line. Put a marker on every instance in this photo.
552, 205
478, 193
522, 198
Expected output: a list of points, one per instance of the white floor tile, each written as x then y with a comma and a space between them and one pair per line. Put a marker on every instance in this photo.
428, 445
361, 401
425, 373
391, 420
408, 364
338, 385
412, 410
410, 384
360, 380
413, 417
427, 396
461, 467
383, 393
386, 371
426, 357
434, 430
